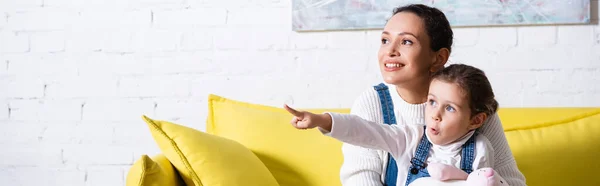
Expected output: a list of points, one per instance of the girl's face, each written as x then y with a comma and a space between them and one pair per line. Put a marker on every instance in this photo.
405, 54
447, 114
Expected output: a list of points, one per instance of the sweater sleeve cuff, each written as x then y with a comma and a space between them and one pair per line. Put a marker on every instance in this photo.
339, 126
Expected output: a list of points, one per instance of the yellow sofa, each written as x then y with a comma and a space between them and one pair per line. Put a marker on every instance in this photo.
252, 144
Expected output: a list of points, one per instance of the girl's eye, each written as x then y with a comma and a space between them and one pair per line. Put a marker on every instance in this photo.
384, 41
450, 109
432, 102
407, 42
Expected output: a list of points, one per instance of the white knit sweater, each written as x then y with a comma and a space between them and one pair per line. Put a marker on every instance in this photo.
366, 167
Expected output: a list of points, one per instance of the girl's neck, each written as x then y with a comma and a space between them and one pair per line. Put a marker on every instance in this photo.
456, 144
413, 94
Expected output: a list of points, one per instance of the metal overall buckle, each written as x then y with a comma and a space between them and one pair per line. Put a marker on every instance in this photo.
416, 165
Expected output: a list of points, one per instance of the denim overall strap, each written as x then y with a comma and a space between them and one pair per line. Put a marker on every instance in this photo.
387, 107
418, 167
468, 155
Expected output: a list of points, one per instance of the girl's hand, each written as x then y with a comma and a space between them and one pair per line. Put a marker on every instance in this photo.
308, 120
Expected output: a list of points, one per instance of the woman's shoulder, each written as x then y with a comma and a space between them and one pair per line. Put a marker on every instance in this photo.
492, 129
367, 105
369, 96
369, 91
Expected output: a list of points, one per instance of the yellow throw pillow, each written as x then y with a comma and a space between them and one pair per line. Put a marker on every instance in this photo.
563, 152
205, 159
155, 171
294, 157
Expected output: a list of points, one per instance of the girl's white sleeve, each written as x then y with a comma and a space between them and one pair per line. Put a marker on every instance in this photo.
354, 130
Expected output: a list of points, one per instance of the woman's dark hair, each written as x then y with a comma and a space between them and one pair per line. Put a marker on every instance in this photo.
474, 83
437, 26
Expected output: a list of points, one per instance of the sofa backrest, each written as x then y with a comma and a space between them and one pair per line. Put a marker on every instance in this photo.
552, 146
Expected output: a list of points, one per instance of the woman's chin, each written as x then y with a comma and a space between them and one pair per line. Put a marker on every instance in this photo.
393, 80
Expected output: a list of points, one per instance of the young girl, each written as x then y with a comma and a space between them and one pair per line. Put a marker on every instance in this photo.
460, 100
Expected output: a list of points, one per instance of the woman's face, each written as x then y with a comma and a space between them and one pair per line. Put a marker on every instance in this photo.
405, 54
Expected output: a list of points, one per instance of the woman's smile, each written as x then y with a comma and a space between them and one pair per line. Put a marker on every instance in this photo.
392, 65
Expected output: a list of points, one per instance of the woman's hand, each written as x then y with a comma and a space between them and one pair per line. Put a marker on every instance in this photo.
308, 120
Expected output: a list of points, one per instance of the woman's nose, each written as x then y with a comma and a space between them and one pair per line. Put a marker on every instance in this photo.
392, 51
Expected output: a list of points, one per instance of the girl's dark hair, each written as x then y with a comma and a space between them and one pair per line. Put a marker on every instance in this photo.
474, 83
437, 26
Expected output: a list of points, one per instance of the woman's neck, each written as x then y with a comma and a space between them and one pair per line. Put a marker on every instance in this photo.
413, 94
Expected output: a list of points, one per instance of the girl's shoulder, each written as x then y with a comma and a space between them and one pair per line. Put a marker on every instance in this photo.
483, 142
484, 150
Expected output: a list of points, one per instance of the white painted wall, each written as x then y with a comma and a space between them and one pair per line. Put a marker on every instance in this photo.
75, 76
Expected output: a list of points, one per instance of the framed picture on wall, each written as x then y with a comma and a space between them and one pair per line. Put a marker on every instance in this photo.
314, 15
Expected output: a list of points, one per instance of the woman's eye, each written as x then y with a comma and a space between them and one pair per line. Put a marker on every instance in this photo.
384, 41
450, 109
407, 42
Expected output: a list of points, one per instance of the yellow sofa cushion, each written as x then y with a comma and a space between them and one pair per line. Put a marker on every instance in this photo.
542, 139
523, 118
205, 159
560, 152
294, 157
155, 171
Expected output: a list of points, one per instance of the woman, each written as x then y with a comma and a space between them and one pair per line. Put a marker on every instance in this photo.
415, 42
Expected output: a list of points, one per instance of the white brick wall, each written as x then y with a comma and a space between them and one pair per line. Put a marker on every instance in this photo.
14, 42
76, 76
531, 36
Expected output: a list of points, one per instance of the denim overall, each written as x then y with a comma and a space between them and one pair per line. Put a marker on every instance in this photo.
418, 167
